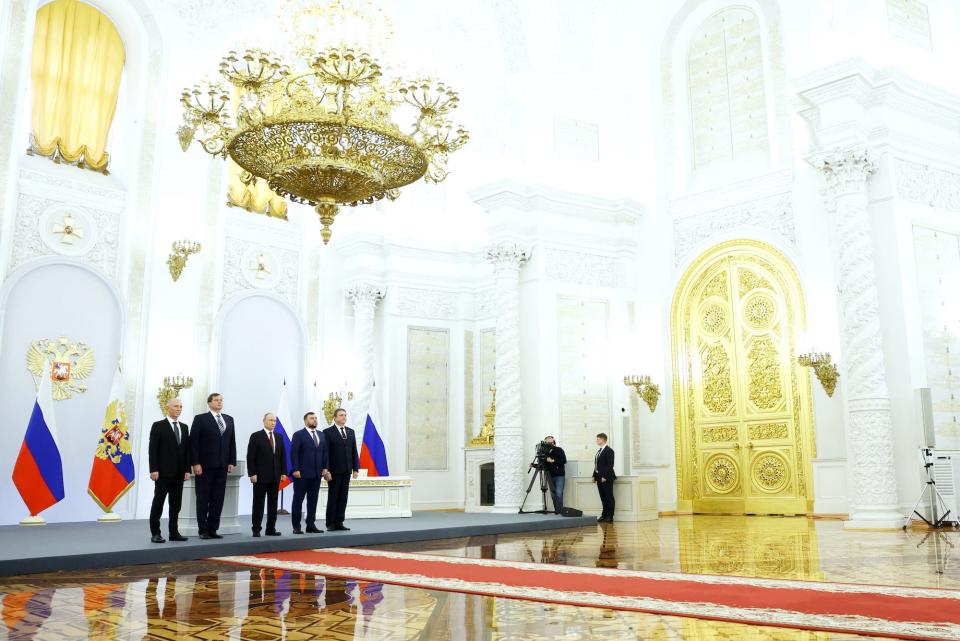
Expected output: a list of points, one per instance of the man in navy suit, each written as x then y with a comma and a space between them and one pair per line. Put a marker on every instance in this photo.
604, 476
344, 462
308, 465
213, 455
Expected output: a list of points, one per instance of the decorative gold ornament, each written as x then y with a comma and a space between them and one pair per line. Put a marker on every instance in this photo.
722, 474
770, 472
823, 367
115, 438
334, 400
259, 267
67, 363
171, 389
485, 437
327, 129
68, 230
182, 249
649, 392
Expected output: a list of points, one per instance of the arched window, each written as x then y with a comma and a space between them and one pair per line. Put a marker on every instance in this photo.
728, 114
77, 63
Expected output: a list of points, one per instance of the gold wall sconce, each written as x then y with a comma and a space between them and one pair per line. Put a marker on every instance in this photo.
182, 249
489, 418
334, 400
646, 390
825, 370
171, 389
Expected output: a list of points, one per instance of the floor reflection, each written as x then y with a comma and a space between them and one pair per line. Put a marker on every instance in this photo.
205, 600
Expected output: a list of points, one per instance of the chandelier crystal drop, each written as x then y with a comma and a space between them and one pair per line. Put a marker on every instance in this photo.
326, 128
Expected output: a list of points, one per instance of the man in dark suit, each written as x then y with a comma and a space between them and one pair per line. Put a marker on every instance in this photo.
344, 462
266, 465
309, 464
169, 451
213, 455
604, 476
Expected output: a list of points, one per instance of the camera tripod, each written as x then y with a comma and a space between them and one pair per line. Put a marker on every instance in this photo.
936, 499
546, 484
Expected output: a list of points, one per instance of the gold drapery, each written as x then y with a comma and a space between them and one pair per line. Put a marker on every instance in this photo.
76, 68
253, 194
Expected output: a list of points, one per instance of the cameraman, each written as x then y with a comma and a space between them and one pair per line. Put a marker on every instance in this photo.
555, 460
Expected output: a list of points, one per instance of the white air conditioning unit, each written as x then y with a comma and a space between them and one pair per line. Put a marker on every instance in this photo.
946, 473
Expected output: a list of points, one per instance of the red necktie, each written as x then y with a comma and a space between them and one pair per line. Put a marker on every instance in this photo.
272, 446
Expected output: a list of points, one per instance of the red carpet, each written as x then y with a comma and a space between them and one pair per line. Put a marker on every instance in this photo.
899, 612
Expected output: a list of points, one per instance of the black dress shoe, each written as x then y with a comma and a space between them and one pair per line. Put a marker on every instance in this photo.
299, 531
601, 519
313, 530
205, 536
214, 535
273, 533
340, 528
177, 537
256, 534
156, 538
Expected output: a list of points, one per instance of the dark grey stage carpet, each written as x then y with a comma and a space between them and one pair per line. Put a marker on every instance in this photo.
79, 546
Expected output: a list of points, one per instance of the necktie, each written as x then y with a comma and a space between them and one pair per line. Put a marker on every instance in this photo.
176, 431
316, 441
273, 446
596, 460
343, 434
223, 428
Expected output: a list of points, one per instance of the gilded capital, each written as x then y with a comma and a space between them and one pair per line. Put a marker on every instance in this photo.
846, 171
365, 294
508, 254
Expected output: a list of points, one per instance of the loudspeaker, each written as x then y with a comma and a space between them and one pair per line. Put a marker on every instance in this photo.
571, 511
925, 406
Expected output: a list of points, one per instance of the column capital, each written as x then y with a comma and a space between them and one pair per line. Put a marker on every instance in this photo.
365, 293
508, 254
846, 171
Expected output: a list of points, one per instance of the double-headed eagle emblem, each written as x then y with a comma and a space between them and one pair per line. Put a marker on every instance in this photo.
68, 364
114, 438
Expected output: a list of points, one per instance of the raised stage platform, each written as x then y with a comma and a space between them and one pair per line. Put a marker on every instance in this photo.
79, 546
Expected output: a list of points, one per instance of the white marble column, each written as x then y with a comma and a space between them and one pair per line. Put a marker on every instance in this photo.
870, 445
364, 296
508, 455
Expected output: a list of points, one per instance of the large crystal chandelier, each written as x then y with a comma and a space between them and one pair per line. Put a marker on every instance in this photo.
326, 127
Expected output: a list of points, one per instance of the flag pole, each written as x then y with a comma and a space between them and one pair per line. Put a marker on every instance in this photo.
283, 510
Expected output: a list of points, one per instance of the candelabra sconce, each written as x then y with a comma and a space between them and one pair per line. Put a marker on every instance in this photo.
646, 390
171, 389
486, 430
825, 370
182, 249
334, 400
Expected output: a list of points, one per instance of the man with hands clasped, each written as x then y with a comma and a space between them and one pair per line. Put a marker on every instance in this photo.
267, 467
309, 464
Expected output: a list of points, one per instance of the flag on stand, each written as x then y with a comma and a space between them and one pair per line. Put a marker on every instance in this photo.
38, 472
112, 473
284, 421
373, 455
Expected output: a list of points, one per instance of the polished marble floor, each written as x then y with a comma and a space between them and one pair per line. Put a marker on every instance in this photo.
206, 600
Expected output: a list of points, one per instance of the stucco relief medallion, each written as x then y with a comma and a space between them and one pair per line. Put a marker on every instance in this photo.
722, 474
260, 268
67, 230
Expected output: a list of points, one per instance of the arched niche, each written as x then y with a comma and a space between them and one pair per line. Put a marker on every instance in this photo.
259, 342
50, 298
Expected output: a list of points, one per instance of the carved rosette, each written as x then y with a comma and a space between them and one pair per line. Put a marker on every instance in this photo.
364, 296
507, 258
869, 429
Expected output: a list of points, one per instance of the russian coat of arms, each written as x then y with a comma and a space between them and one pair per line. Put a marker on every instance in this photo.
114, 438
68, 364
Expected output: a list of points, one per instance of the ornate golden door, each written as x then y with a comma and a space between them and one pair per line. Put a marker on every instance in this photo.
742, 404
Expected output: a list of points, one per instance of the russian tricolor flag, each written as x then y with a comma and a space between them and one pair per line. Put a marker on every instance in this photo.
38, 472
373, 454
284, 421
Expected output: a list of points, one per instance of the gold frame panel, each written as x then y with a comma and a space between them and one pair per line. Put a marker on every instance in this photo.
731, 465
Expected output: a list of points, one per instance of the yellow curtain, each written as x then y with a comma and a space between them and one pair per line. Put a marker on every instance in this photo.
77, 63
253, 194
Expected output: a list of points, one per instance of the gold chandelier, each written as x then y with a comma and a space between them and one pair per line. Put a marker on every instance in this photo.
327, 129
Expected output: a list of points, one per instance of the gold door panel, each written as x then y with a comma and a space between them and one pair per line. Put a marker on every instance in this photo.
744, 432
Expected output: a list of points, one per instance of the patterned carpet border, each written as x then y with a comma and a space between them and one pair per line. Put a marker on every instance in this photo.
891, 611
